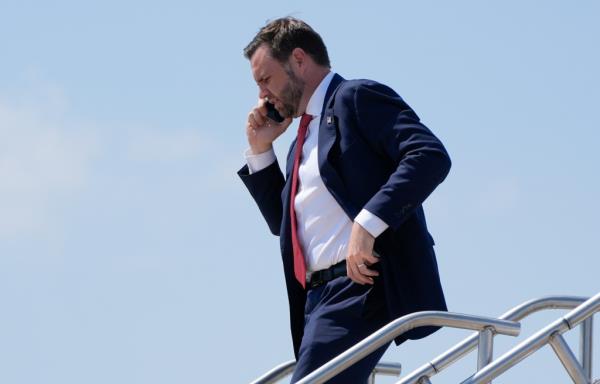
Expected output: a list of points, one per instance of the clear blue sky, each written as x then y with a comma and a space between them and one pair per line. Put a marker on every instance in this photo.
127, 241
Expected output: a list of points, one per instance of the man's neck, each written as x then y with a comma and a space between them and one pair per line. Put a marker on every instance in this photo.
312, 82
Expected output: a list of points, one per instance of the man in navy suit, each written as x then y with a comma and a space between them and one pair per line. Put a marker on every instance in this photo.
355, 247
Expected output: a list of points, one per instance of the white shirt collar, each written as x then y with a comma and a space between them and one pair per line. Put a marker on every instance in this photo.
315, 103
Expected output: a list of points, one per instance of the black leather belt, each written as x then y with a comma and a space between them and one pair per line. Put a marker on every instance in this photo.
325, 275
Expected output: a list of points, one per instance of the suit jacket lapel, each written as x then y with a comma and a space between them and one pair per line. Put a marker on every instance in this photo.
328, 132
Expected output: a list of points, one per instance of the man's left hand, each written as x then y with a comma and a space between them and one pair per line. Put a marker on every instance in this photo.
360, 256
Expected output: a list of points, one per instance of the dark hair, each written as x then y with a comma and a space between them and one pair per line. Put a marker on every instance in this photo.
283, 35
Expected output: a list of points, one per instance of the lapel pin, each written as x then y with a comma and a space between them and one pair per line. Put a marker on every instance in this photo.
329, 120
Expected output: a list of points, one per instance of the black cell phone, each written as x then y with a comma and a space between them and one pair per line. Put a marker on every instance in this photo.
272, 113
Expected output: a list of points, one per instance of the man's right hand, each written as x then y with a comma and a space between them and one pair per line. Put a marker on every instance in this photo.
262, 131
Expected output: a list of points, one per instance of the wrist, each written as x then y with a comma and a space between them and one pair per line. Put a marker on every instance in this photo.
361, 233
371, 223
258, 149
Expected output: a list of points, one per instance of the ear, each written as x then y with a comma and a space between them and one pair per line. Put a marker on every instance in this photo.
298, 58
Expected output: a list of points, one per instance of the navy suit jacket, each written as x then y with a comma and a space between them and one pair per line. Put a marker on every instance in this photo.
373, 153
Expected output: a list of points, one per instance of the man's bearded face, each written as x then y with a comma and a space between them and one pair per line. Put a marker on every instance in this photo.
291, 94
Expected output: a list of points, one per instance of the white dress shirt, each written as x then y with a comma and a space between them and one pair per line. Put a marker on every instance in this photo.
323, 226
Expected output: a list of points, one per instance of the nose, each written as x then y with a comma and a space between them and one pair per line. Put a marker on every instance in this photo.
263, 92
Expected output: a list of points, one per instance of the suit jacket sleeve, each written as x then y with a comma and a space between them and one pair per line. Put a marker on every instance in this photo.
266, 187
394, 130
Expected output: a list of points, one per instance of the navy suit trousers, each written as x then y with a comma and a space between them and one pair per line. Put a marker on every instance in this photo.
338, 315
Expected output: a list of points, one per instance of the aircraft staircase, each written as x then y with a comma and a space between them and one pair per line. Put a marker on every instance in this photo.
579, 369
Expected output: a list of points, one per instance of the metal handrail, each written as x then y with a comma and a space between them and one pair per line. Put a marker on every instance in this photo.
517, 313
551, 334
402, 325
277, 373
284, 369
422, 374
389, 369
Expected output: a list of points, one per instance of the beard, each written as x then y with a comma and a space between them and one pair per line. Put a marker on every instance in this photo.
291, 95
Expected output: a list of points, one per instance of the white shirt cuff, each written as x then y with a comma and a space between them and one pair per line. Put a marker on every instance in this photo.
260, 161
371, 223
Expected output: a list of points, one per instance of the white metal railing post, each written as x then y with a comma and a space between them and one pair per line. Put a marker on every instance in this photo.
485, 352
586, 348
371, 379
567, 358
485, 349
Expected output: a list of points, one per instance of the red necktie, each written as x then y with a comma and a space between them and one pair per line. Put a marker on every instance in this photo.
299, 263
